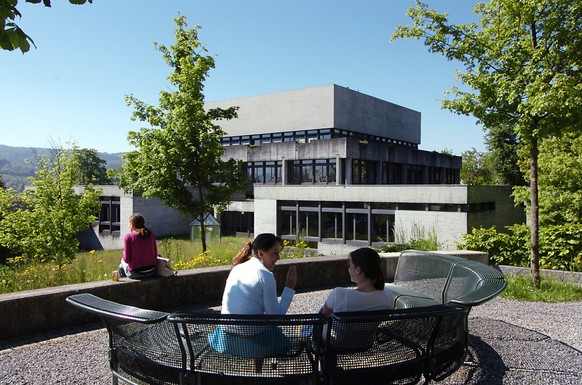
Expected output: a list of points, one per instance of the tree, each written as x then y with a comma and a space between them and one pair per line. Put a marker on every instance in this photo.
477, 168
522, 66
92, 169
179, 159
11, 36
504, 145
42, 222
560, 181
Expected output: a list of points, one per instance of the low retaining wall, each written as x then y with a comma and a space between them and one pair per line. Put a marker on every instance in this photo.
34, 311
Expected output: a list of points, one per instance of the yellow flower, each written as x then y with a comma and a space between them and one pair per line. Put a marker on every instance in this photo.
99, 261
92, 252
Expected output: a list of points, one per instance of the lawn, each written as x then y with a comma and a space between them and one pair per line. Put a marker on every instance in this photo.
96, 265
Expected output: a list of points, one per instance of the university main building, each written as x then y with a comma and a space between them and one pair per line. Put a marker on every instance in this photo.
340, 167
332, 166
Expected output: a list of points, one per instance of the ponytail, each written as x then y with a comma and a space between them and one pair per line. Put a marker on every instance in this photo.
243, 255
144, 232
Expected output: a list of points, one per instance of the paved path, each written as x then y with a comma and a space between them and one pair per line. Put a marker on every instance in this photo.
504, 348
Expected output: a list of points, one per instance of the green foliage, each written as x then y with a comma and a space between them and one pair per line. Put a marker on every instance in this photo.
560, 246
559, 181
21, 274
477, 168
521, 66
503, 145
417, 237
298, 249
179, 158
11, 36
92, 169
429, 244
520, 287
41, 223
16, 167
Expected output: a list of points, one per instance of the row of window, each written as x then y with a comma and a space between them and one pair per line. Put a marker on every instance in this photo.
372, 222
306, 136
356, 226
383, 207
324, 171
312, 171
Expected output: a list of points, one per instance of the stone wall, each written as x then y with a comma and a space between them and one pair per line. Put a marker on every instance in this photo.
35, 311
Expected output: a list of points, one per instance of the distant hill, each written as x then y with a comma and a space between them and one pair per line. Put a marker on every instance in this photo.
15, 169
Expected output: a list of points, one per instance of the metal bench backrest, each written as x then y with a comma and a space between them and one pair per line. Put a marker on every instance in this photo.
275, 348
448, 278
408, 343
143, 345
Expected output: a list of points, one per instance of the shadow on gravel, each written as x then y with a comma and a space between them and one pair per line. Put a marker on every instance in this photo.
502, 353
483, 366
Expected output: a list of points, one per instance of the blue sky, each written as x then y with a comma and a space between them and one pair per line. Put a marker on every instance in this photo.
71, 88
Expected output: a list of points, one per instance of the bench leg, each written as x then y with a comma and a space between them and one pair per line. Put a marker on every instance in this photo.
258, 364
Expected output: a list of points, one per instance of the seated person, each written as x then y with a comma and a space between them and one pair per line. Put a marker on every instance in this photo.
364, 268
251, 289
140, 250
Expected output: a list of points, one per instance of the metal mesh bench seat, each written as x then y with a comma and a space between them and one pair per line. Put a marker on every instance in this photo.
258, 349
143, 347
421, 276
394, 346
407, 345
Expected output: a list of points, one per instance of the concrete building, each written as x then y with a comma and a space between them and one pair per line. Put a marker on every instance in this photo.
108, 231
342, 168
338, 168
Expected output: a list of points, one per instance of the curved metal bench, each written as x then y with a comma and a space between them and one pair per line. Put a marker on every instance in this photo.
409, 345
423, 278
290, 357
404, 345
143, 347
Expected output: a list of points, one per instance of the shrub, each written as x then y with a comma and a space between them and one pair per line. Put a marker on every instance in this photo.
560, 246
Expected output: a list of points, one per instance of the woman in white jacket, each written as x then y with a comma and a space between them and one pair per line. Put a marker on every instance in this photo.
251, 289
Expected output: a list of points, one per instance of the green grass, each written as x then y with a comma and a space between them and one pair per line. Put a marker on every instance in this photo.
19, 275
90, 266
551, 290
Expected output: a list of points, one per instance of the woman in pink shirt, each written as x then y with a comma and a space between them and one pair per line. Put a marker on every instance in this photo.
139, 250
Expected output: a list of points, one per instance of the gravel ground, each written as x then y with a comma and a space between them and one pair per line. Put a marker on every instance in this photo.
512, 343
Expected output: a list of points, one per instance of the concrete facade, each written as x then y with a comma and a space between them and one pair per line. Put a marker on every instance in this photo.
321, 107
334, 166
162, 220
335, 152
428, 219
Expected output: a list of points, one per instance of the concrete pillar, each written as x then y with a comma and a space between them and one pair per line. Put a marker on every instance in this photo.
283, 171
348, 176
378, 173
338, 170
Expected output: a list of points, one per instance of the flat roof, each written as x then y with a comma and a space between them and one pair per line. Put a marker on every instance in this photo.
321, 107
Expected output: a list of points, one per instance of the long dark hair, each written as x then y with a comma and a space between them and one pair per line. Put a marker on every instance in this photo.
137, 222
265, 241
370, 262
